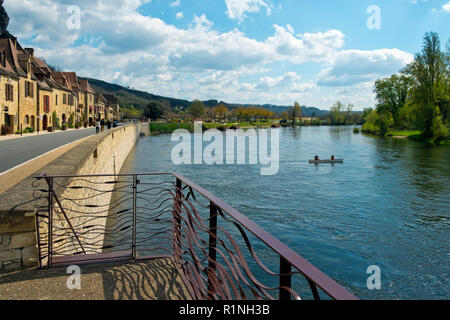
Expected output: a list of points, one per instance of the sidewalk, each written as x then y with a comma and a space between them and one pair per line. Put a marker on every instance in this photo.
41, 133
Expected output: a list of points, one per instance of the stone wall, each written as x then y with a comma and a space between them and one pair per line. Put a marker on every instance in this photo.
17, 241
104, 153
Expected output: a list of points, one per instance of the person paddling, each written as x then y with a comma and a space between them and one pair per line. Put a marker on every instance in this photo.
332, 157
316, 158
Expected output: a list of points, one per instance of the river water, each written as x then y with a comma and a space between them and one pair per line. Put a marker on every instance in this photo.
388, 205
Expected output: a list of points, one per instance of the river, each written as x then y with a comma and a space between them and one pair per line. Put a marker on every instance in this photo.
388, 205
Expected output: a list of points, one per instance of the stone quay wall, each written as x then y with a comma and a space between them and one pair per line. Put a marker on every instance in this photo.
103, 153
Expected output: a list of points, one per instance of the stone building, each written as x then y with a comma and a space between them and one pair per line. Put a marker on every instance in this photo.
35, 97
10, 73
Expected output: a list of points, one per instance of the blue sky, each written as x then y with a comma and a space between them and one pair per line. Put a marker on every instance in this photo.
241, 51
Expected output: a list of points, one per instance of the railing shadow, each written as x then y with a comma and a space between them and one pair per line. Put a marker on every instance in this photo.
154, 279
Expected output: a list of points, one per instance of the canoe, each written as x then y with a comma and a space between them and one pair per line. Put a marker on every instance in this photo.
327, 161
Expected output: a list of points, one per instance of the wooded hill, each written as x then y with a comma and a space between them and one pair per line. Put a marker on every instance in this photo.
138, 99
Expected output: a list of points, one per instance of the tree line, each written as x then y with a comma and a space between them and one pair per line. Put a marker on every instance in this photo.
418, 97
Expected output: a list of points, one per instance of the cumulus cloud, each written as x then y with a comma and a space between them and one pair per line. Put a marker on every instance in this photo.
352, 67
180, 15
238, 9
117, 43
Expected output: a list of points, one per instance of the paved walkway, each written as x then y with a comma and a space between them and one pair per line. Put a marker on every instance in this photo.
155, 279
16, 150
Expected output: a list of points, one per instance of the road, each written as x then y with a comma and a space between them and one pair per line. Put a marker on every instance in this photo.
17, 151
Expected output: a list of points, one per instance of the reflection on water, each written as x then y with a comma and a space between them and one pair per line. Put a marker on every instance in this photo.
387, 205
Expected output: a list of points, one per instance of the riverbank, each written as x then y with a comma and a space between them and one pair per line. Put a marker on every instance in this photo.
414, 135
168, 127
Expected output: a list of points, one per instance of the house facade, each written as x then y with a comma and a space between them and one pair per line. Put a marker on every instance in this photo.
34, 97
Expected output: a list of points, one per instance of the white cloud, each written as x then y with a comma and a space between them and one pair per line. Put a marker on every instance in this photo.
446, 7
175, 3
180, 15
197, 61
352, 67
237, 9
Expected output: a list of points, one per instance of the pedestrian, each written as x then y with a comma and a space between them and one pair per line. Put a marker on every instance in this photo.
109, 124
97, 126
102, 124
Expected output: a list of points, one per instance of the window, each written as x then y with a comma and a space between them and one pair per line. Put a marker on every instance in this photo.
3, 59
46, 104
29, 89
27, 119
64, 98
71, 100
56, 99
9, 92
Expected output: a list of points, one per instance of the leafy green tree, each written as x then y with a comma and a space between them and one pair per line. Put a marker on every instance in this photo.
295, 112
154, 110
430, 74
391, 94
336, 113
438, 128
197, 109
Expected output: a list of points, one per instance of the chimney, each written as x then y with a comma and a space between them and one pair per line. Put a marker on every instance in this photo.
30, 51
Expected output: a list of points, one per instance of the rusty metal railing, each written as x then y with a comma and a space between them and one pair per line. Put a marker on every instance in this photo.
220, 253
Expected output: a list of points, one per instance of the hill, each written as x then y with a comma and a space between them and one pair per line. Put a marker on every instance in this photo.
129, 97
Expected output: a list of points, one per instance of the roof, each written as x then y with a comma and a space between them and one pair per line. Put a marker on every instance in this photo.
86, 87
61, 80
73, 79
12, 67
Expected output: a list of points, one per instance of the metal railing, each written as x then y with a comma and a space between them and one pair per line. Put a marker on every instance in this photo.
220, 253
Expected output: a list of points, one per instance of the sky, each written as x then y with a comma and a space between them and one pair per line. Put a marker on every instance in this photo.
315, 52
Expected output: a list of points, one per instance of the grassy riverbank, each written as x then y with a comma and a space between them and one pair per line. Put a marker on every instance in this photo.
415, 135
169, 127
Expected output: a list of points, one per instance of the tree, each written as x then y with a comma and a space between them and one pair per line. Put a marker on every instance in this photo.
336, 113
154, 110
438, 128
391, 94
296, 112
430, 86
221, 110
197, 109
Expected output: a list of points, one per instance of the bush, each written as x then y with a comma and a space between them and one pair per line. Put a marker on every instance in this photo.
28, 130
356, 130
438, 127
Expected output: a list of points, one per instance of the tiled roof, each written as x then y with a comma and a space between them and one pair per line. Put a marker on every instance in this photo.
12, 67
85, 86
73, 79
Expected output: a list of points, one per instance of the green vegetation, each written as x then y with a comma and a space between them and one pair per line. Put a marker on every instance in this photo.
416, 102
55, 120
154, 110
71, 121
170, 127
197, 109
404, 133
